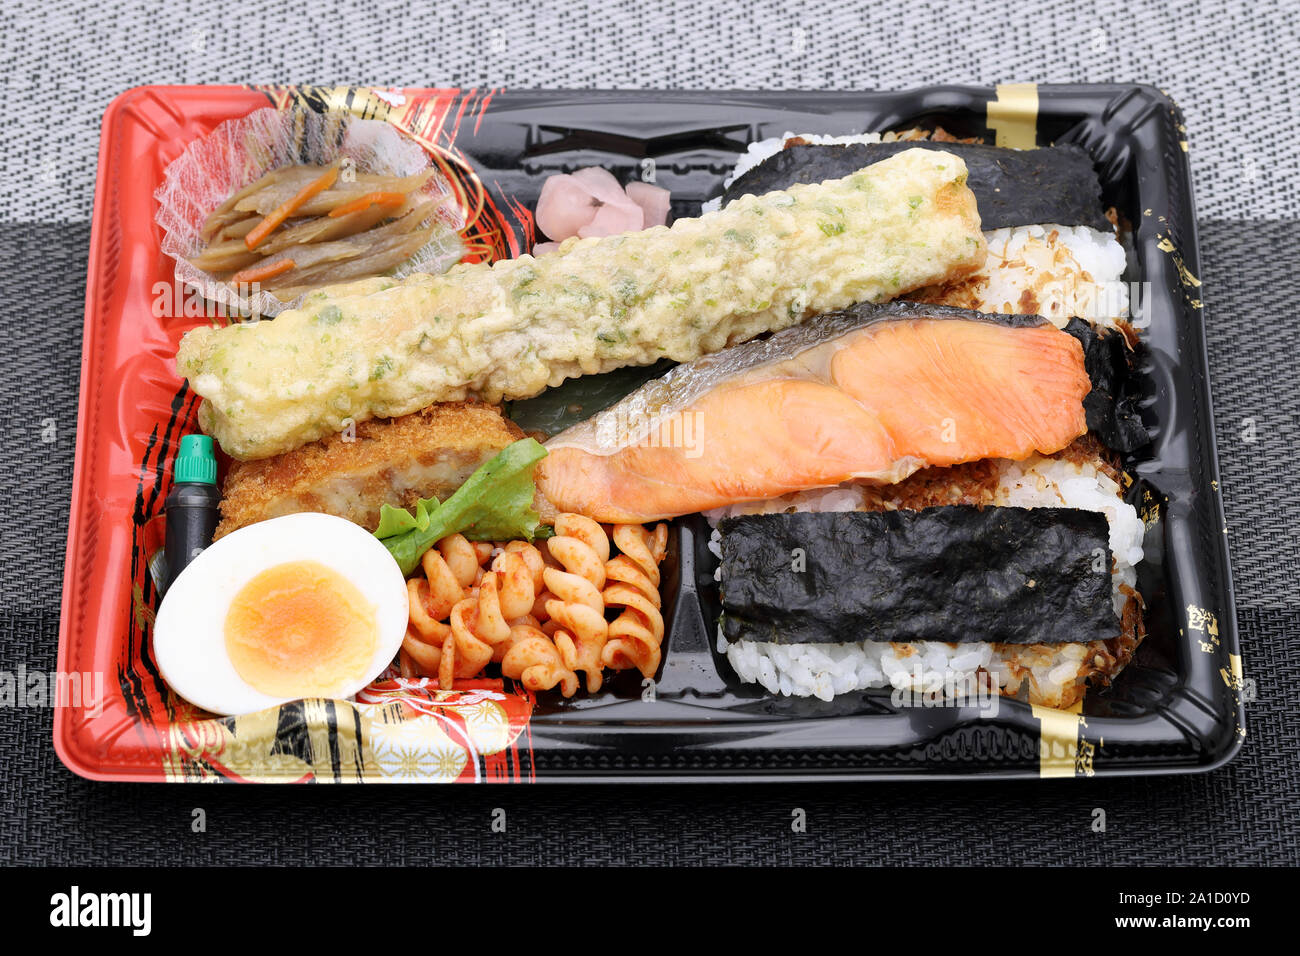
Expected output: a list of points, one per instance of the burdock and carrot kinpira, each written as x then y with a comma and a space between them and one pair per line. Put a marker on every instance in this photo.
299, 227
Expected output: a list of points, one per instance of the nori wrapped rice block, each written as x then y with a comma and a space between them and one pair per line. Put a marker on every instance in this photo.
957, 573
1052, 184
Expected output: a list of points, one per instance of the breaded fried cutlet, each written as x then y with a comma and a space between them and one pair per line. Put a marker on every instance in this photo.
429, 453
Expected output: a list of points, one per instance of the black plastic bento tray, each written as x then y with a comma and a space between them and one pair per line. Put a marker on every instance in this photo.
1176, 708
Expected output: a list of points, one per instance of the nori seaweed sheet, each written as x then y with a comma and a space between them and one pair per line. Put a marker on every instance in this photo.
956, 573
1112, 405
1051, 184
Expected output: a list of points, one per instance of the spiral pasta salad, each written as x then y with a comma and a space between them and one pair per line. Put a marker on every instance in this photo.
579, 603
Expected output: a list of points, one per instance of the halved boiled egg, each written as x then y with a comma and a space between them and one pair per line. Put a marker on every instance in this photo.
306, 605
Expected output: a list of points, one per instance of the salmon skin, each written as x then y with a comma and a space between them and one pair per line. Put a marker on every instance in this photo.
872, 393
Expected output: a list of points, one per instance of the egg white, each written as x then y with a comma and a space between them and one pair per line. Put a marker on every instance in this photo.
189, 640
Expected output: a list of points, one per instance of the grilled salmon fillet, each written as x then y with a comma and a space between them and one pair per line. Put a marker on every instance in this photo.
868, 394
393, 461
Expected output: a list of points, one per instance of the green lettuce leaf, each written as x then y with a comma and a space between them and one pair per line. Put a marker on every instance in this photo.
393, 521
494, 504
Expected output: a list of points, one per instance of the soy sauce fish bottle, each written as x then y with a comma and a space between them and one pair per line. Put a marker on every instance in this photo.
192, 505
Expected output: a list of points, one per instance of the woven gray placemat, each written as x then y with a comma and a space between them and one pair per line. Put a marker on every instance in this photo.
1232, 71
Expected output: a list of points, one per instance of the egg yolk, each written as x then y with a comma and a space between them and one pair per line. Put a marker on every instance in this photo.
300, 629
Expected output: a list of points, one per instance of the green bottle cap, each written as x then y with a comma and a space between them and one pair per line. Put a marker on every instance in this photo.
195, 461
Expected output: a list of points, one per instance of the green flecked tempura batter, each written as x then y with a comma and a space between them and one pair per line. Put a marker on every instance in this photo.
382, 348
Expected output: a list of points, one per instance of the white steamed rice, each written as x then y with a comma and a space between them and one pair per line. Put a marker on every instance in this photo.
1066, 271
